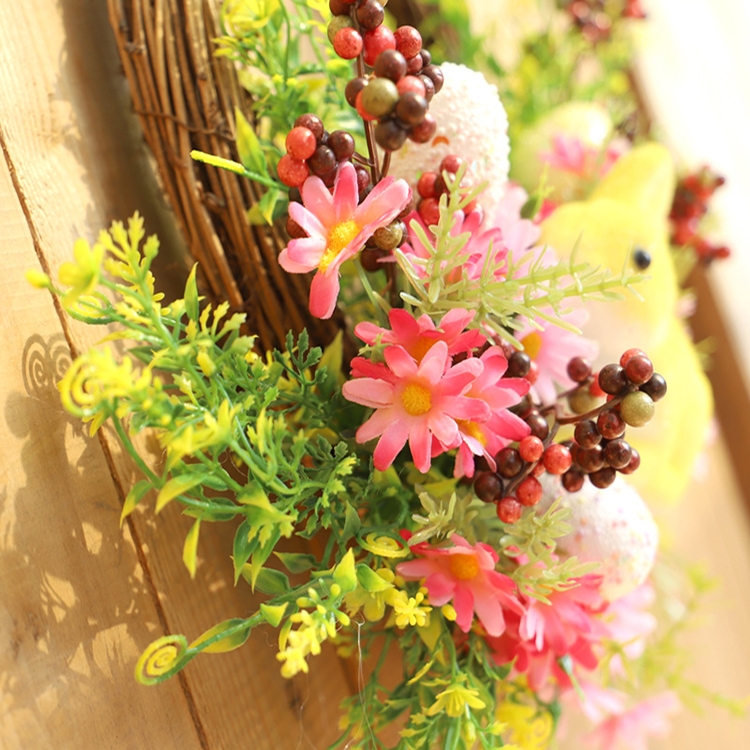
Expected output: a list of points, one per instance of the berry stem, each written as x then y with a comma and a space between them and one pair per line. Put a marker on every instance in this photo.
369, 127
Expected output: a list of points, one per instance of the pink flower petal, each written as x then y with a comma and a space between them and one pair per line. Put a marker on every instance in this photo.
463, 603
318, 202
386, 201
323, 293
390, 444
373, 393
346, 195
302, 255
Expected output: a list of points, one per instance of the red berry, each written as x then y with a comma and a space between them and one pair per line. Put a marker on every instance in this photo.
557, 459
509, 510
488, 486
612, 379
370, 15
529, 491
353, 88
425, 130
311, 122
376, 41
595, 389
410, 83
625, 358
656, 387
579, 369
603, 478
291, 171
300, 143
390, 64
426, 185
451, 163
533, 374
429, 210
531, 448
538, 425
572, 480
509, 462
586, 434
347, 43
635, 462
408, 41
639, 369
414, 65
610, 424
617, 453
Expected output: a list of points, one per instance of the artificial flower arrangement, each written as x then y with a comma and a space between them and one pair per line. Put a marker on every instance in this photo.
471, 487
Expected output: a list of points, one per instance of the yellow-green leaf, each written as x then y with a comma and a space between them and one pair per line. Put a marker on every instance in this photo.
273, 613
248, 145
190, 548
137, 491
191, 295
176, 486
230, 642
345, 574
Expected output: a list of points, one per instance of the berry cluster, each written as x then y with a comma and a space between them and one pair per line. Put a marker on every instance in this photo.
598, 449
591, 18
311, 149
690, 205
432, 185
403, 80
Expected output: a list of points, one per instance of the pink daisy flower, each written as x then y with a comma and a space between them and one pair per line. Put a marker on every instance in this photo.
481, 243
418, 335
465, 575
567, 627
630, 730
338, 229
415, 402
570, 154
552, 347
503, 427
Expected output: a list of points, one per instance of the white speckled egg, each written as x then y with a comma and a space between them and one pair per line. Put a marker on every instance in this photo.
613, 526
472, 124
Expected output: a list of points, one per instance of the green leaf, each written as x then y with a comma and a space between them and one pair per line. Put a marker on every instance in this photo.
296, 562
345, 574
248, 145
370, 580
229, 642
190, 548
264, 212
269, 581
260, 556
242, 548
137, 491
352, 523
177, 486
191, 295
273, 613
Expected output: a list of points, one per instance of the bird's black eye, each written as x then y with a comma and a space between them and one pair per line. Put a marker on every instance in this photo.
641, 258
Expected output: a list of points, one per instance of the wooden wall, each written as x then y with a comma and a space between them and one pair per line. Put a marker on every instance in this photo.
79, 598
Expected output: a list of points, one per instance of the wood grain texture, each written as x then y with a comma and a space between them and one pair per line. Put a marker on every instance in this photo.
71, 154
80, 599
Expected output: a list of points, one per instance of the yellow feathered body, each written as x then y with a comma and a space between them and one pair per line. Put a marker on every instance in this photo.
624, 223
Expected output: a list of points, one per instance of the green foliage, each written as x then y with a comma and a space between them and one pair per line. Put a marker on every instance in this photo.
525, 288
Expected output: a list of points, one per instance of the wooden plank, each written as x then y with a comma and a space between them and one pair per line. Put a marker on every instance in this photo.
52, 117
76, 607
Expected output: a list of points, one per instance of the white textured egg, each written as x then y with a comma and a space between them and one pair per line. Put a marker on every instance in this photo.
472, 124
614, 527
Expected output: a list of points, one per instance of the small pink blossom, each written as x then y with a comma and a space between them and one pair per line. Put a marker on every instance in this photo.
552, 347
565, 628
570, 154
503, 427
630, 730
519, 234
415, 402
337, 229
418, 335
465, 574
484, 245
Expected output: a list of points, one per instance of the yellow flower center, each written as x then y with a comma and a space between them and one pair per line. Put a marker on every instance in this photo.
532, 344
464, 567
338, 238
421, 348
416, 399
472, 429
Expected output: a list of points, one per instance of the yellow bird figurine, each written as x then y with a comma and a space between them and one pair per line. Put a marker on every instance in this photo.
624, 222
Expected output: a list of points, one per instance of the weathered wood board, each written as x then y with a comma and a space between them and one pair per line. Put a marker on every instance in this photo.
80, 599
